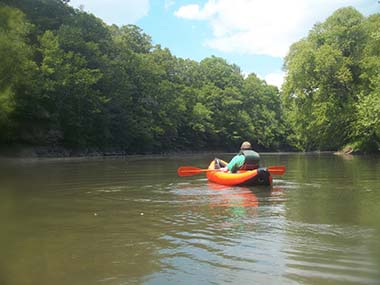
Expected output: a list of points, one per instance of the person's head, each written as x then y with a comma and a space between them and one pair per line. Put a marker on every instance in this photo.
246, 145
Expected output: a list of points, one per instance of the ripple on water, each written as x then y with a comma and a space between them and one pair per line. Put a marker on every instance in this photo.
329, 253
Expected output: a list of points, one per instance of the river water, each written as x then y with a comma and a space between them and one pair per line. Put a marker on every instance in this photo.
133, 220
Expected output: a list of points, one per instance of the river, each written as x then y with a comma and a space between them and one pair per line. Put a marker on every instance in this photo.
133, 220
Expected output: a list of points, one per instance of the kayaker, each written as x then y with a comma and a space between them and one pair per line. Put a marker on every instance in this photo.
246, 159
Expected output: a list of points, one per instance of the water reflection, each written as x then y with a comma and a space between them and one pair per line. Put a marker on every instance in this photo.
236, 197
222, 232
133, 221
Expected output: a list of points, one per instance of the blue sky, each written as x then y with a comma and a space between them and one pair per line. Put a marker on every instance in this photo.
254, 34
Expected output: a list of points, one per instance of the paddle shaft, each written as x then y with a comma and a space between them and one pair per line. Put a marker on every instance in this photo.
190, 170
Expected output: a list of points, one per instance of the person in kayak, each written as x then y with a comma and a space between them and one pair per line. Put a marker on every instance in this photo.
246, 159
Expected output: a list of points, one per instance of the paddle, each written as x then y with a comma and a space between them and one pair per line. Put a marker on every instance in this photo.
277, 170
190, 170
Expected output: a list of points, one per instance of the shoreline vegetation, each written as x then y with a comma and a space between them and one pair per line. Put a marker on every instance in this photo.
25, 152
61, 152
71, 85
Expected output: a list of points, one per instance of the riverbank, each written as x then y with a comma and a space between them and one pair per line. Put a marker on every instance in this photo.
20, 151
54, 151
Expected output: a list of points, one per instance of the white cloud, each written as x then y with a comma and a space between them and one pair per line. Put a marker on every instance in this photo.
261, 27
193, 11
169, 3
119, 12
276, 79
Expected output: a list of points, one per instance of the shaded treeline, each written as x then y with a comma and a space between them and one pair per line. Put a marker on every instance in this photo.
67, 79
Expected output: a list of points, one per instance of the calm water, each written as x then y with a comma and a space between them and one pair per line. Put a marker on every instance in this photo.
134, 221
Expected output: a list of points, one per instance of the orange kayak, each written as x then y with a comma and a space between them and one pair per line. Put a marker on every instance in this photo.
260, 176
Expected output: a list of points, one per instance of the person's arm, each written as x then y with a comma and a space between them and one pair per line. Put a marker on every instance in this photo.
236, 162
230, 165
223, 169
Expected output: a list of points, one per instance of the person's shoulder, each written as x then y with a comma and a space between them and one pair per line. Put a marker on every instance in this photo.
236, 157
239, 155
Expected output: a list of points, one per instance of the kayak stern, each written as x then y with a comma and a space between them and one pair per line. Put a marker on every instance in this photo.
260, 176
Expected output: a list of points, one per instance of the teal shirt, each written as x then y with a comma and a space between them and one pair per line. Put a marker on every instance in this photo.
236, 162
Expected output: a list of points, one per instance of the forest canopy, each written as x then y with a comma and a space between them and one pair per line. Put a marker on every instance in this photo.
68, 79
331, 96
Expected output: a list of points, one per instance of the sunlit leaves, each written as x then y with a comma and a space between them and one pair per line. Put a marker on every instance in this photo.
325, 74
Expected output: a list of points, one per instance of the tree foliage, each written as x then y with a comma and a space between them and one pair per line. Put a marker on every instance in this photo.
68, 79
109, 87
15, 67
331, 77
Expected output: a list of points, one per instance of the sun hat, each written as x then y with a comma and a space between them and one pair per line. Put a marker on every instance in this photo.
246, 145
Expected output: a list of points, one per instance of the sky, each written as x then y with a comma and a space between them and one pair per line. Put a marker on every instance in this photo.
253, 34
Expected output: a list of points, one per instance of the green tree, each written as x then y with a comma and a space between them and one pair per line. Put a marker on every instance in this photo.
77, 82
70, 86
263, 106
44, 14
323, 76
220, 73
366, 127
15, 67
132, 38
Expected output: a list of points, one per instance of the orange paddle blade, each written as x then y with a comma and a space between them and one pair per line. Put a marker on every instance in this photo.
277, 170
190, 170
